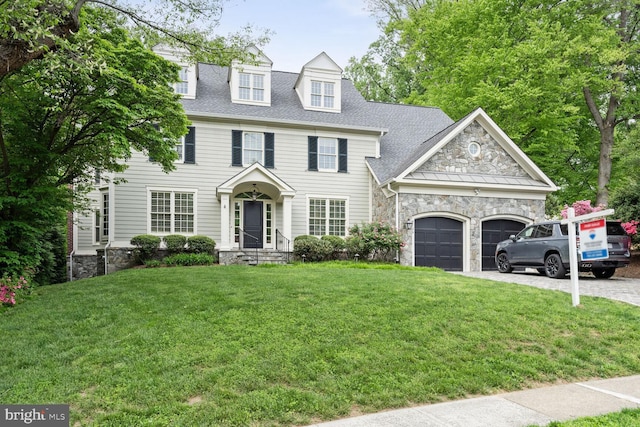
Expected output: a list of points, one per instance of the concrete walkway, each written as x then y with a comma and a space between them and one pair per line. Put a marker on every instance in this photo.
528, 407
518, 409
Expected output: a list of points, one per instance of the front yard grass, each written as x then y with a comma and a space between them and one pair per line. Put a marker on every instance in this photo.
293, 345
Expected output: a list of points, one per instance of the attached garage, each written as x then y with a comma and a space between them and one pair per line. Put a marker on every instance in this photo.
494, 231
439, 243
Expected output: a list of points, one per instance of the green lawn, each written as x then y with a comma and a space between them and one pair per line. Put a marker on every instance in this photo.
297, 344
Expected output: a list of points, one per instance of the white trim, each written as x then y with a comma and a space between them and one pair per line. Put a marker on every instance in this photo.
173, 191
327, 198
498, 135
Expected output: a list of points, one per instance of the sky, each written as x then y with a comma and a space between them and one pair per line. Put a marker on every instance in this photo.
302, 29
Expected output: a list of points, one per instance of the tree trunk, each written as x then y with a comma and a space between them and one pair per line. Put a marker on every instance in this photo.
604, 164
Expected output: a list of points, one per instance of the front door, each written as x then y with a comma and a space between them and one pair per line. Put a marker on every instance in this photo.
252, 224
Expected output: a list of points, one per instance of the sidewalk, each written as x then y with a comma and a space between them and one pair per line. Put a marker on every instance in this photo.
522, 408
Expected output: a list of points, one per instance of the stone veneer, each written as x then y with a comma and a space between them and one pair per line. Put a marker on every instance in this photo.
455, 156
471, 210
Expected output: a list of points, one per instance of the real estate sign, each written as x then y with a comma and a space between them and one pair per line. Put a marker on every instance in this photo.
593, 240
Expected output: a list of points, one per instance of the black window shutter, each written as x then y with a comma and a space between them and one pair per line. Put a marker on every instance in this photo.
313, 153
342, 155
236, 148
269, 150
190, 146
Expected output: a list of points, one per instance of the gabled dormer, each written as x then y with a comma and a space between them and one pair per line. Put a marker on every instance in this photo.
319, 85
251, 83
188, 72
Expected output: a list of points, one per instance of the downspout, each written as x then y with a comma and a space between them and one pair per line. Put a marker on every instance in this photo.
112, 219
397, 216
74, 242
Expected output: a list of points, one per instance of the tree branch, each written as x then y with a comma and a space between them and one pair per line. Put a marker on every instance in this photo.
593, 108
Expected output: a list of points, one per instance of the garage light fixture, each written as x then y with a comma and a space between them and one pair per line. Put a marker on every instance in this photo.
409, 224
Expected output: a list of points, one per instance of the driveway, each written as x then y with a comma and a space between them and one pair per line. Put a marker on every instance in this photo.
616, 288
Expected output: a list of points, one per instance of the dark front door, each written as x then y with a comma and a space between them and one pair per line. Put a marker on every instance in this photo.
252, 224
493, 232
438, 243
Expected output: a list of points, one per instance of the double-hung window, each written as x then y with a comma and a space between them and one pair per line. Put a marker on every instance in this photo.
328, 154
327, 216
172, 212
180, 150
182, 86
322, 94
251, 87
252, 148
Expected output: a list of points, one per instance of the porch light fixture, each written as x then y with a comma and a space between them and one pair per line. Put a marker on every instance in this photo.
254, 193
409, 224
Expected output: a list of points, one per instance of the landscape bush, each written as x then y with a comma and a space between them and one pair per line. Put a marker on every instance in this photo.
175, 243
189, 259
375, 241
311, 249
146, 246
201, 244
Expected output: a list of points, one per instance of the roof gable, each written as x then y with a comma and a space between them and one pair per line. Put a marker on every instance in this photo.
446, 157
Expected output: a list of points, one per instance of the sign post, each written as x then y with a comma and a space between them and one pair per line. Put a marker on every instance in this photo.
591, 245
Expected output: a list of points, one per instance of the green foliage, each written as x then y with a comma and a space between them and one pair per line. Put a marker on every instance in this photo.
146, 245
186, 260
152, 263
175, 243
626, 202
201, 244
87, 106
337, 242
312, 249
546, 72
377, 241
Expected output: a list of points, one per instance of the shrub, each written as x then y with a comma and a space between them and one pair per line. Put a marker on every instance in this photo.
175, 243
186, 260
375, 240
310, 248
146, 246
152, 263
11, 289
201, 244
337, 244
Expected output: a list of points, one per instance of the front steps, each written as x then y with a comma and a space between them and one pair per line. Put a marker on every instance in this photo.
254, 257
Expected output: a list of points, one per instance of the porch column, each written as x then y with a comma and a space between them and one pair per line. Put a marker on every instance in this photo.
286, 217
224, 223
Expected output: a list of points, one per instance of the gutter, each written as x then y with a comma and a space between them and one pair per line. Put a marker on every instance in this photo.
397, 216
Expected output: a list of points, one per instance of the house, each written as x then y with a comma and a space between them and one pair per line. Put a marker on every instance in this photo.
272, 155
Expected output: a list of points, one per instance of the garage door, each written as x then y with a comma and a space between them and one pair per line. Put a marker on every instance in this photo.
495, 231
438, 243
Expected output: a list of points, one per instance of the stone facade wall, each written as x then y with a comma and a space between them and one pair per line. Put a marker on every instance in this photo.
455, 156
82, 266
473, 210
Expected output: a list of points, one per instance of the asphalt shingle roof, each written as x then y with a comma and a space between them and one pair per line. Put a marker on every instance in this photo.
407, 126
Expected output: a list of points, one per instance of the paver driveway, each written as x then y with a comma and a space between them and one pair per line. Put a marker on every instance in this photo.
616, 288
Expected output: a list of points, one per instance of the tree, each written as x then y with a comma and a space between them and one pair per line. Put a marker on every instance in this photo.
84, 108
29, 29
557, 76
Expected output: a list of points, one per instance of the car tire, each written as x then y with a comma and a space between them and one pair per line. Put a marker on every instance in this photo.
603, 273
503, 264
553, 267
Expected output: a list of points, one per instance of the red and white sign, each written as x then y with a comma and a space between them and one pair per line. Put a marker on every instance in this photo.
593, 240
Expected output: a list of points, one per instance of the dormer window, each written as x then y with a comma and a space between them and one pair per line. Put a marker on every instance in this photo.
319, 85
182, 87
322, 94
187, 75
251, 83
251, 87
